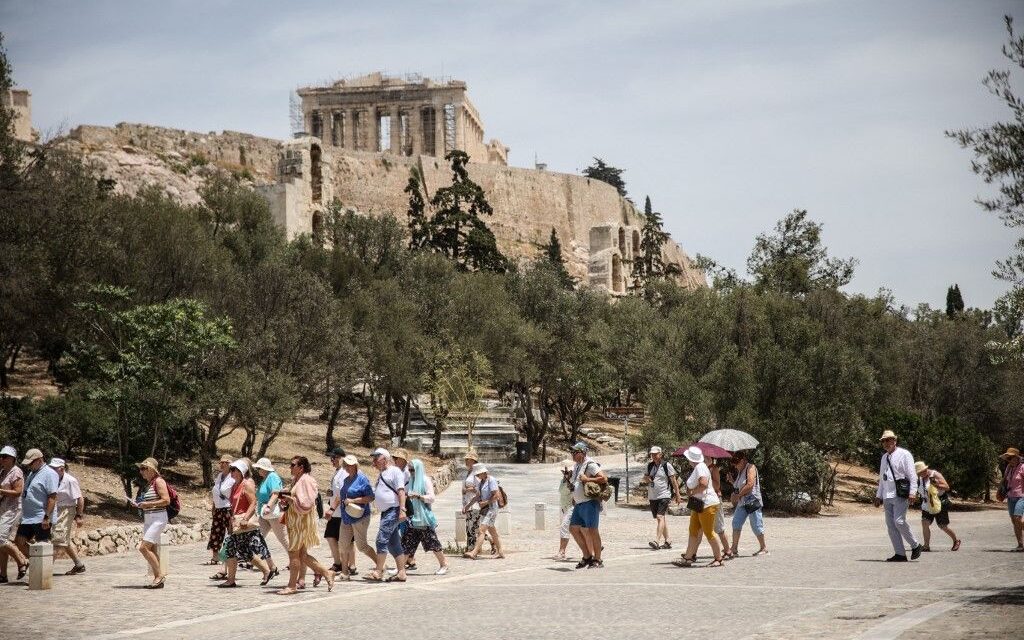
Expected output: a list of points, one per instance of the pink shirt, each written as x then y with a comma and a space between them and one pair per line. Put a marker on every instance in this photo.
1015, 481
7, 481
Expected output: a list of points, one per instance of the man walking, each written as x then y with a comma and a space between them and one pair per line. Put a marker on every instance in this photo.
586, 511
897, 484
389, 498
663, 487
333, 514
69, 513
37, 501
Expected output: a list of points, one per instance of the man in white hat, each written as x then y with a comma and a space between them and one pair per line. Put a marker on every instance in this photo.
12, 483
37, 502
586, 511
663, 486
897, 485
389, 498
70, 511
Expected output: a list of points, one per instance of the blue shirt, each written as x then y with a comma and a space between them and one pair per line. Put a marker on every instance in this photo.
357, 486
39, 486
269, 485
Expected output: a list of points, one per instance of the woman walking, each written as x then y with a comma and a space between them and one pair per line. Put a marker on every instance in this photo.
269, 482
300, 518
356, 496
245, 543
220, 514
565, 505
153, 503
933, 492
422, 521
746, 497
488, 500
703, 505
470, 494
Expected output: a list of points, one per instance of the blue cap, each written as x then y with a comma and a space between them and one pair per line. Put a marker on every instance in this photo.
580, 446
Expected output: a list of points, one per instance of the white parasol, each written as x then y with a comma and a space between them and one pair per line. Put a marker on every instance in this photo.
731, 440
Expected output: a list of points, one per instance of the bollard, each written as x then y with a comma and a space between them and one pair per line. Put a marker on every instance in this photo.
538, 515
503, 522
460, 528
163, 552
40, 569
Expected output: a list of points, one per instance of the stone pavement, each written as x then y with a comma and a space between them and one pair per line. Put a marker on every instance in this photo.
824, 579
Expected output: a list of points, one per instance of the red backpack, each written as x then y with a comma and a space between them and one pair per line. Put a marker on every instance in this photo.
174, 506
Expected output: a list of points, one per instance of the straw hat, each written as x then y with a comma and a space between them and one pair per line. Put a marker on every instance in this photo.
920, 466
151, 463
888, 433
401, 453
471, 455
351, 461
1012, 451
226, 458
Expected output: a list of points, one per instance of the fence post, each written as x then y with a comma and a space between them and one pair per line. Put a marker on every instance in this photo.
539, 515
40, 566
460, 528
504, 522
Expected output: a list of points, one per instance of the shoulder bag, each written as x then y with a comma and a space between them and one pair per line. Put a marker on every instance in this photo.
902, 485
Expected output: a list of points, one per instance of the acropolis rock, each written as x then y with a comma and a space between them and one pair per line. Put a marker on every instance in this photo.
372, 131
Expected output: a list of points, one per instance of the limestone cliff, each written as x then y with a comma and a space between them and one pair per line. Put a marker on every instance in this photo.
598, 228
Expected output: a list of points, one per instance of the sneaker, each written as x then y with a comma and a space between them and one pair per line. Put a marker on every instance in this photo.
897, 558
75, 570
584, 563
915, 553
442, 571
596, 564
956, 545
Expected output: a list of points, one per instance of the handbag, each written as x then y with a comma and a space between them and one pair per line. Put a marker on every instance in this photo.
752, 505
902, 485
695, 504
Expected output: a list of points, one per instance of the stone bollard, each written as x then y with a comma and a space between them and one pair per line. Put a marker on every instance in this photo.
163, 552
460, 528
503, 522
538, 515
40, 569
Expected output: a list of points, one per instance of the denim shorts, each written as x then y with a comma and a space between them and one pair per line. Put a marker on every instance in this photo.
756, 520
586, 514
389, 538
1015, 506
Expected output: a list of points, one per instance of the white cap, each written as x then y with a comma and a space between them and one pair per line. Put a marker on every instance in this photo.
479, 468
264, 464
57, 463
694, 455
9, 451
241, 465
380, 452
654, 450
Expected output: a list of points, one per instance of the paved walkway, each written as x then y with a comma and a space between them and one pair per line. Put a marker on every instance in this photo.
824, 579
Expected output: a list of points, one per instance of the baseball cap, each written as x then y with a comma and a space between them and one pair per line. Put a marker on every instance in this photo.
9, 451
336, 452
580, 446
31, 456
380, 451
654, 450
57, 463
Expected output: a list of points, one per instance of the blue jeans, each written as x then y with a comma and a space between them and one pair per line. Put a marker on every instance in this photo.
1015, 506
740, 515
389, 538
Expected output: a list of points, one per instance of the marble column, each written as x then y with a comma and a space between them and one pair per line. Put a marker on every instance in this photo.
396, 131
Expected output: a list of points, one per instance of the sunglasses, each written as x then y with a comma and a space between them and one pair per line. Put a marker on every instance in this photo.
295, 464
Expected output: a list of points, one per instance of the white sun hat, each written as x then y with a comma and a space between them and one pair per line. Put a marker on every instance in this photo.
694, 455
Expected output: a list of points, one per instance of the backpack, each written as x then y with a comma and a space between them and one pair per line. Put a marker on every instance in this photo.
668, 479
174, 506
319, 506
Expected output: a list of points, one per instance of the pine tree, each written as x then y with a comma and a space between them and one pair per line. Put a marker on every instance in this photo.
649, 265
552, 254
954, 301
606, 173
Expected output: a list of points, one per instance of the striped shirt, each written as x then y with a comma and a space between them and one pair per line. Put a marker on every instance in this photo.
151, 495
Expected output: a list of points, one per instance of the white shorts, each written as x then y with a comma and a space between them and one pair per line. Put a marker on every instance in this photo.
60, 532
154, 524
9, 521
563, 530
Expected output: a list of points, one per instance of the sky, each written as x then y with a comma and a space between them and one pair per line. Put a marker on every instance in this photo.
727, 114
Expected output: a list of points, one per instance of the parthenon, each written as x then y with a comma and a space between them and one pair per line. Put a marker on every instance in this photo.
406, 116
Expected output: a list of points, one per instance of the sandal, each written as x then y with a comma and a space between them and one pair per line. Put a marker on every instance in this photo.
317, 578
956, 545
717, 562
330, 581
469, 556
227, 585
684, 561
373, 576
410, 567
762, 552
23, 569
270, 576
654, 545
666, 545
286, 592
219, 576
210, 563
394, 579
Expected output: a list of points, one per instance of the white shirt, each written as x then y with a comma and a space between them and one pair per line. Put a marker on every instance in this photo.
586, 468
221, 492
701, 471
383, 497
339, 479
903, 466
924, 485
68, 491
487, 490
470, 483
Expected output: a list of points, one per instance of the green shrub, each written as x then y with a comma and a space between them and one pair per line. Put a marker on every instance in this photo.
788, 471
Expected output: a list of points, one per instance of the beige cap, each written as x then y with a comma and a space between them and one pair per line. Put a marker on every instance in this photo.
888, 433
31, 456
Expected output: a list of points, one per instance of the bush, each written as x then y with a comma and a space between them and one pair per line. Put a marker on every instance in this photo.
788, 472
58, 426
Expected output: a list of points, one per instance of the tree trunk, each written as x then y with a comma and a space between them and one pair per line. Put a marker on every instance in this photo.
332, 420
439, 417
250, 440
268, 438
371, 414
389, 414
406, 412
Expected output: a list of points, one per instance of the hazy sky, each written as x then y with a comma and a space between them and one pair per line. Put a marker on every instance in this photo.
728, 114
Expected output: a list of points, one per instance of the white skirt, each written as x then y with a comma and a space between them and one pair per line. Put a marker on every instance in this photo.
153, 525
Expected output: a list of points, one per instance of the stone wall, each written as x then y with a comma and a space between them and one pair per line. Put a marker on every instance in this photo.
119, 539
